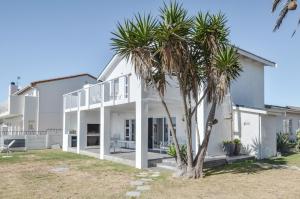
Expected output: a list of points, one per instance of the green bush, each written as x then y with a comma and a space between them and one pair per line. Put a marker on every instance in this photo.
182, 150
283, 143
298, 140
237, 141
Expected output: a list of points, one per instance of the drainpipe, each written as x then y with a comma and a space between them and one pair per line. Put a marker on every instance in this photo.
38, 110
260, 139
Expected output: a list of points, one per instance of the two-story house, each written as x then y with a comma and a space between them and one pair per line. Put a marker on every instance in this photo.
120, 119
38, 106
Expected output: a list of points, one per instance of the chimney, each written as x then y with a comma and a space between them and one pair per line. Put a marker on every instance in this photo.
12, 88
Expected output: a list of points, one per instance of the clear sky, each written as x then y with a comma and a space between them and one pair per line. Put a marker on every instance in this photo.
45, 39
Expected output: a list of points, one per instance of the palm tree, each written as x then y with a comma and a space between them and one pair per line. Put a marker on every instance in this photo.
193, 50
290, 5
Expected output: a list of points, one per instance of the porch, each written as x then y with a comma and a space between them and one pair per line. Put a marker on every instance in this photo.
123, 156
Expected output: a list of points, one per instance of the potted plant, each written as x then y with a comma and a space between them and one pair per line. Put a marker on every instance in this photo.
228, 147
237, 147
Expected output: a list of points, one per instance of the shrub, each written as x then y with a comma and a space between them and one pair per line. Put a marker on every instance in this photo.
237, 141
298, 140
283, 142
182, 150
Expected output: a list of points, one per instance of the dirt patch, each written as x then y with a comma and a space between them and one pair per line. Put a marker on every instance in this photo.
275, 183
80, 178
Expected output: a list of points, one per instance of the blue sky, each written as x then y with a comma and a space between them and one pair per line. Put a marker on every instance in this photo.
44, 39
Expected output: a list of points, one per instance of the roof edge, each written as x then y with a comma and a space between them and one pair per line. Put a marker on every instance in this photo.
33, 84
260, 59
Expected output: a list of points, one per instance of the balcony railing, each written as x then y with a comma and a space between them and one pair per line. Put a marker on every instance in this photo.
115, 91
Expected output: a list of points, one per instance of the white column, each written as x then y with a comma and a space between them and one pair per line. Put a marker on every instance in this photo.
141, 108
78, 122
65, 144
104, 132
201, 124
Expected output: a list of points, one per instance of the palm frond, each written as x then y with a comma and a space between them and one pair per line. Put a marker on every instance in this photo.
275, 4
282, 15
296, 28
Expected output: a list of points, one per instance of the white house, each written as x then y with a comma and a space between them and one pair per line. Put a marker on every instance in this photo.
38, 106
120, 119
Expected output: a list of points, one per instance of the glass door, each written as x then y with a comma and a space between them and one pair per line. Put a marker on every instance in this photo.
158, 132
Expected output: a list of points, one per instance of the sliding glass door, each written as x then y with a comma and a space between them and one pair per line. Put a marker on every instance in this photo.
159, 133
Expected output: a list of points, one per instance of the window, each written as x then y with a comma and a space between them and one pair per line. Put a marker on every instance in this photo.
126, 87
290, 122
93, 128
130, 130
93, 135
31, 124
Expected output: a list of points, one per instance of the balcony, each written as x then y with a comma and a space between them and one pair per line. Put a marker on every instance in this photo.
108, 93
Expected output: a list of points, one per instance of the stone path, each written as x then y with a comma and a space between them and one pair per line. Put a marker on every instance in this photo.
142, 183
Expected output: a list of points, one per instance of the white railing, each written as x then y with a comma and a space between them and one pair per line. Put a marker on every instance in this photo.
115, 91
71, 100
23, 133
95, 96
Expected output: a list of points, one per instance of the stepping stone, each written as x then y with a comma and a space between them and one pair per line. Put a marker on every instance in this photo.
143, 188
155, 175
133, 194
146, 180
264, 165
295, 168
60, 169
137, 183
142, 175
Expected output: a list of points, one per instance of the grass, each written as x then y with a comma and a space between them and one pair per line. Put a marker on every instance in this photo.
235, 181
30, 175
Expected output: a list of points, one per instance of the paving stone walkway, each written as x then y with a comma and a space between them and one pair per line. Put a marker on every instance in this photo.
142, 183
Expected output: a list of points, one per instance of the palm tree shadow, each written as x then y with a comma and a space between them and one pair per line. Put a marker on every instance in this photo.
247, 167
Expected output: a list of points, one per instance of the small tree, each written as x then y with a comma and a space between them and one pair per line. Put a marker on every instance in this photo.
194, 51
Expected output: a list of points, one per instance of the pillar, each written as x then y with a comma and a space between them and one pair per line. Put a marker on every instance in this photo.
141, 108
104, 132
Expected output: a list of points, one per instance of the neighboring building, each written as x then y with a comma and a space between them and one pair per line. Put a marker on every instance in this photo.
38, 107
120, 119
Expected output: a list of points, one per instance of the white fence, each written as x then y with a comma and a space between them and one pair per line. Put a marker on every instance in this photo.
32, 139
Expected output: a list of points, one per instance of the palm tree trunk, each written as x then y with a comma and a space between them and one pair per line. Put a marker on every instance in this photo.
173, 132
203, 149
188, 125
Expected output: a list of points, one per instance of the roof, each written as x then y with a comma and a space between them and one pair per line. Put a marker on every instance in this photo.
116, 59
249, 109
33, 84
255, 57
290, 109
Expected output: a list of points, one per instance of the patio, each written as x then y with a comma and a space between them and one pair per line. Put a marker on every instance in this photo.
124, 155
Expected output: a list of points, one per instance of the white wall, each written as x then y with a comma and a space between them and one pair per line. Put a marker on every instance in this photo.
271, 125
248, 89
30, 112
51, 100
